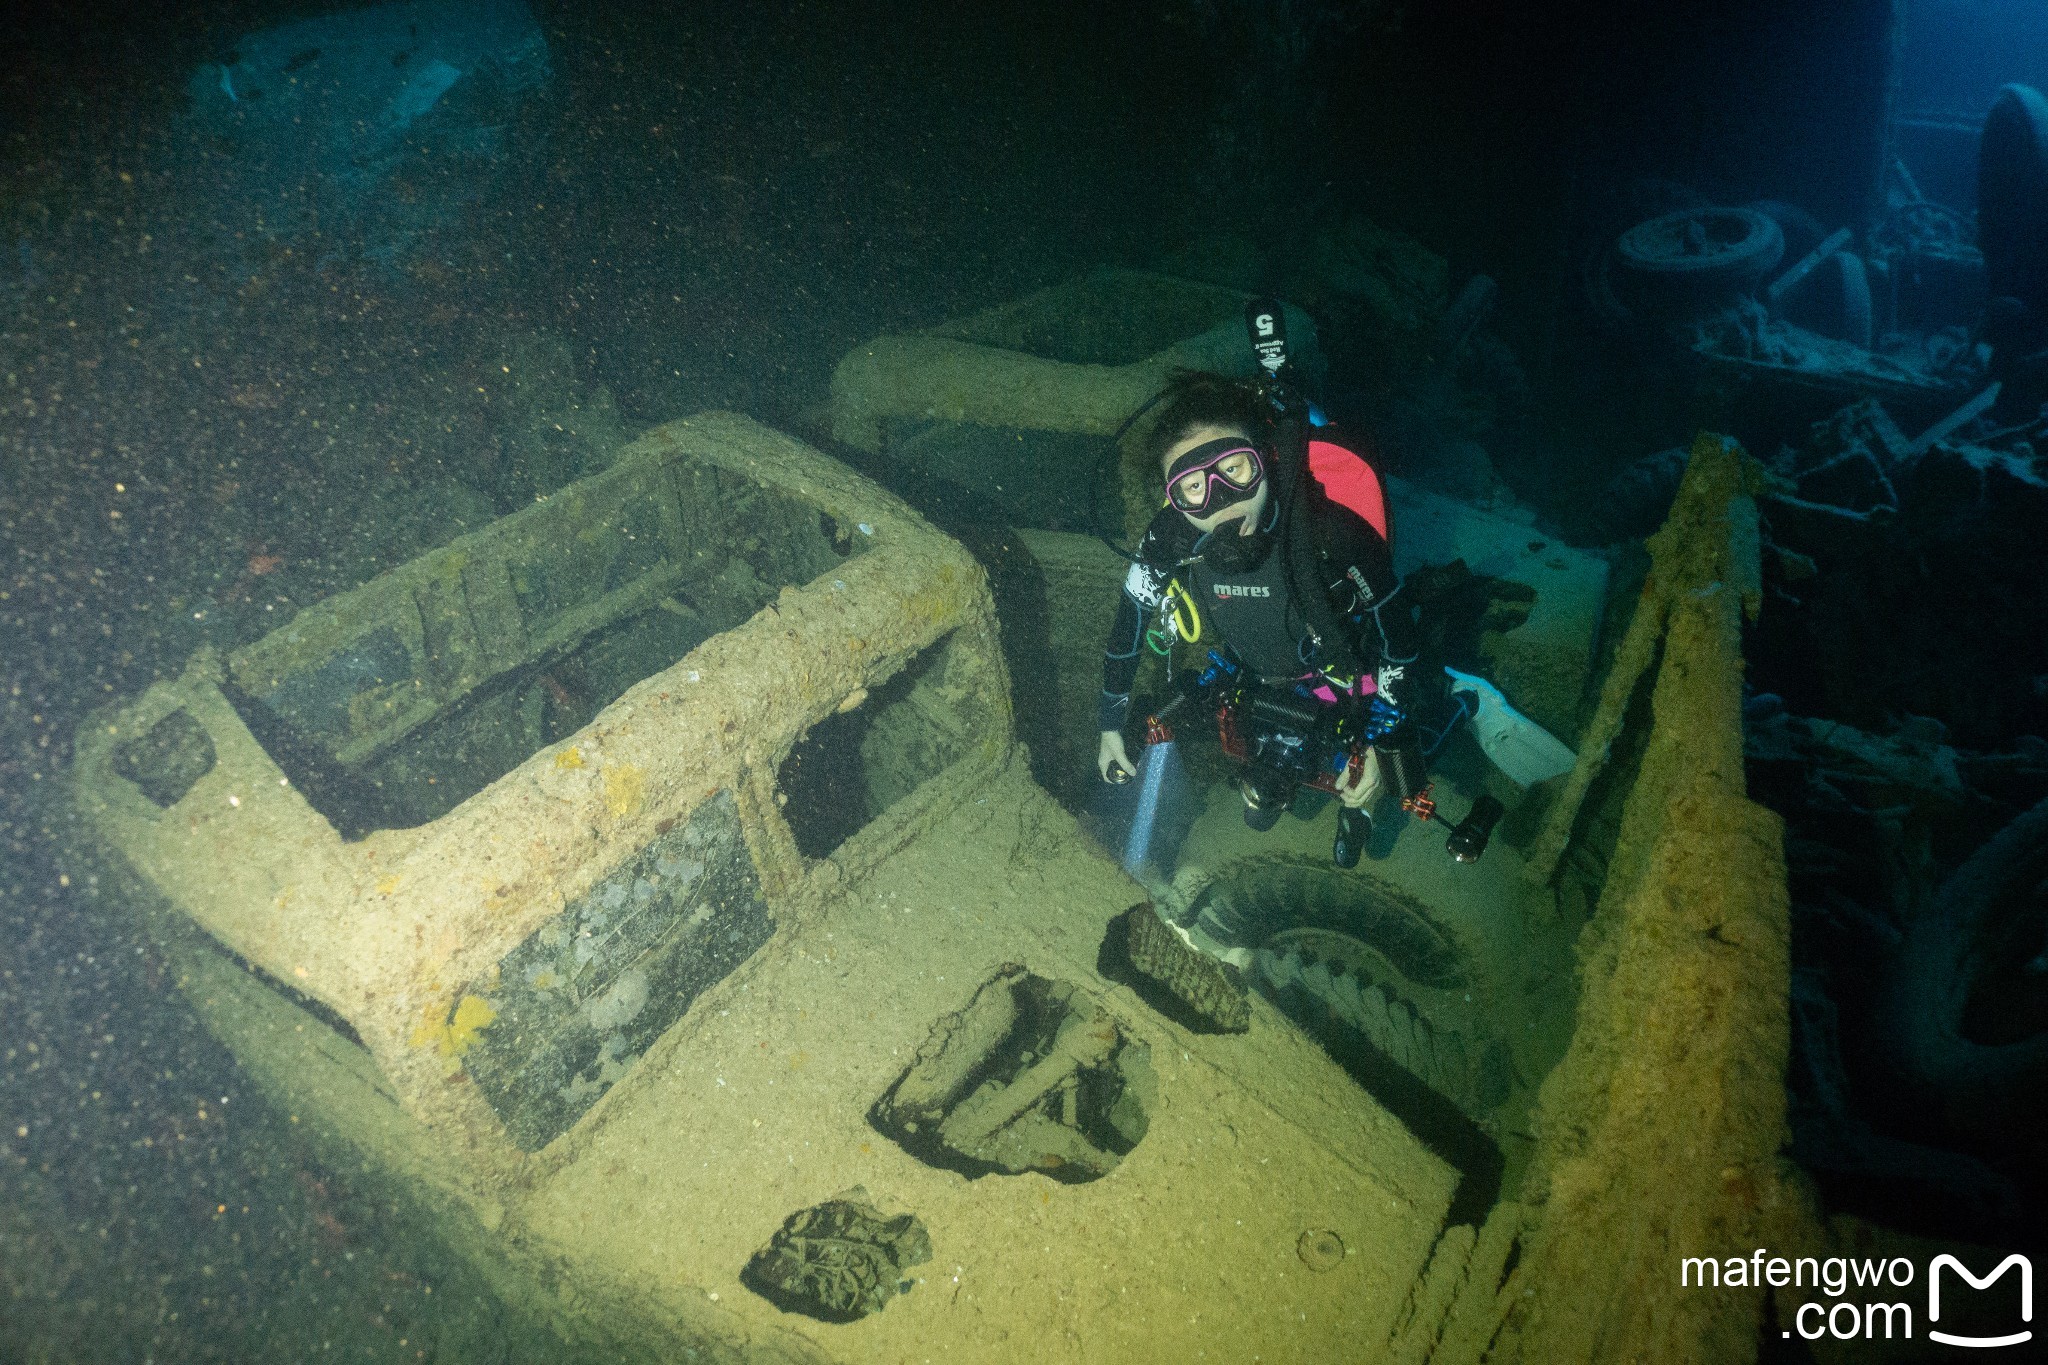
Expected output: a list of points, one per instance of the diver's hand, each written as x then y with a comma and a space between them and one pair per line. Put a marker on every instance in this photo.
1110, 759
1367, 786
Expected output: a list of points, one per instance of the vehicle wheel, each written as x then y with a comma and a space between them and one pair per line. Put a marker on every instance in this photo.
1697, 259
1362, 965
2012, 196
1964, 1010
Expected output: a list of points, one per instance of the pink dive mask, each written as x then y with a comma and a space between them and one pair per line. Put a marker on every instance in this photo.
1230, 461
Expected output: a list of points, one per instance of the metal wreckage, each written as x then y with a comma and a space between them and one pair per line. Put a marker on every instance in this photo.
653, 886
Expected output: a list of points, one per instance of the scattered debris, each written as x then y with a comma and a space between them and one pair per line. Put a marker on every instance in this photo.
1842, 761
1892, 315
1955, 421
1681, 264
1912, 1025
840, 1260
1775, 293
1209, 989
1032, 1075
1853, 465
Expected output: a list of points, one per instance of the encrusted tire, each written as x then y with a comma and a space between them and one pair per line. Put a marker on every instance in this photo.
1696, 259
2012, 195
1338, 951
1979, 1058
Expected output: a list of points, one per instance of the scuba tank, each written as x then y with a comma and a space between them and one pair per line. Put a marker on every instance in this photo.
1288, 416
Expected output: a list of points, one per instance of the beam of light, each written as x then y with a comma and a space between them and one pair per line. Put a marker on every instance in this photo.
1152, 770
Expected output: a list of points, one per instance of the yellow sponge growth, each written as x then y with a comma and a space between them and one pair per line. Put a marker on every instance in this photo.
452, 1037
623, 785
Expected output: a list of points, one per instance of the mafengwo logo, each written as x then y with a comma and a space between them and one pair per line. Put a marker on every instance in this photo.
1948, 1262
1848, 1288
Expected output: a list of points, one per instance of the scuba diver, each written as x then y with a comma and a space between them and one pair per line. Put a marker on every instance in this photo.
1272, 553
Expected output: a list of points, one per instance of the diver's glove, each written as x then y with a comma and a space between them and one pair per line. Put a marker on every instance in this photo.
1358, 794
1110, 759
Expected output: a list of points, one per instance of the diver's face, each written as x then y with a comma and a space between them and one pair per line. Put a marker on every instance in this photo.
1226, 486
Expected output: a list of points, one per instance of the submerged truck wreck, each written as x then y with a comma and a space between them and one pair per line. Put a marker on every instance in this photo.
652, 886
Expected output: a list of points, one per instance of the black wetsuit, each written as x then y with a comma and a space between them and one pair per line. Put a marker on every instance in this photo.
1249, 609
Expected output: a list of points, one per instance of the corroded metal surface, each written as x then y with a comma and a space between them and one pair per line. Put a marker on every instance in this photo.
1660, 1130
726, 587
579, 1001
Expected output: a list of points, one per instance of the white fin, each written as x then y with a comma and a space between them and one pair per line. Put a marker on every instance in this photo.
1518, 746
